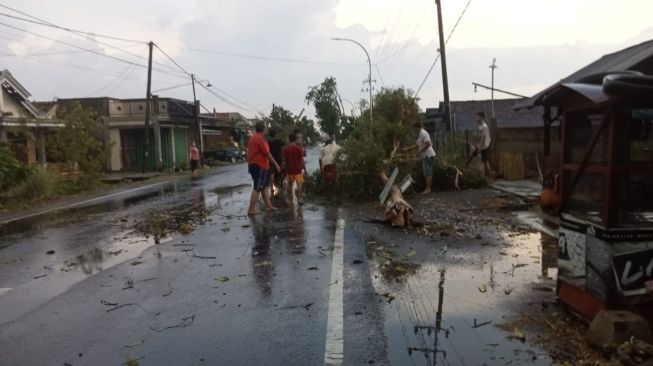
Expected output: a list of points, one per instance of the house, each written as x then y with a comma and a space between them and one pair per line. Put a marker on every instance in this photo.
637, 58
172, 127
217, 131
23, 126
514, 132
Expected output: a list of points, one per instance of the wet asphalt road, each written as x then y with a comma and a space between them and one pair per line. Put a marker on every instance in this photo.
252, 291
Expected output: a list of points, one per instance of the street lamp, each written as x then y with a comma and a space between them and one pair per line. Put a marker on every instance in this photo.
353, 108
369, 78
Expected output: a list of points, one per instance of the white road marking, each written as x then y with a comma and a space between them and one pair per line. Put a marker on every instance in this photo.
334, 350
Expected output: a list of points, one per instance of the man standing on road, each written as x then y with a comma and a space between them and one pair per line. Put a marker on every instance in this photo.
300, 139
276, 148
258, 160
483, 144
328, 160
194, 154
426, 153
293, 157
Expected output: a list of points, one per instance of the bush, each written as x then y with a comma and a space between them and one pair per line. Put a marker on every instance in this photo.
39, 184
12, 171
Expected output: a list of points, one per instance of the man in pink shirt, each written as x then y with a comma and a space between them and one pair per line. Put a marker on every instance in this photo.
194, 157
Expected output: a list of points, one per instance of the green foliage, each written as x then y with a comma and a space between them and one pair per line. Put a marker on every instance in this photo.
364, 157
12, 172
328, 106
76, 143
310, 134
283, 121
39, 184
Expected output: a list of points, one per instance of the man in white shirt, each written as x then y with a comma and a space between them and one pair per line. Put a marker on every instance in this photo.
483, 144
328, 160
426, 153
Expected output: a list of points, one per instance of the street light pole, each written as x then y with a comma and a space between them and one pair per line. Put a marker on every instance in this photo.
493, 67
369, 79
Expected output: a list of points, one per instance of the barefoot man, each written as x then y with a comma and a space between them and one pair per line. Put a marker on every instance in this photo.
293, 157
426, 153
259, 159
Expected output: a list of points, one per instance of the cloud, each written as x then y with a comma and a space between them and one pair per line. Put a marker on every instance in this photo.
532, 52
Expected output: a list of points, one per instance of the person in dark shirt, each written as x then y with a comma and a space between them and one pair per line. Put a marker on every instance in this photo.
293, 158
276, 149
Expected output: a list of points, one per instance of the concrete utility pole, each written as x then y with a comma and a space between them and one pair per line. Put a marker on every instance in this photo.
369, 79
493, 67
148, 103
198, 123
443, 62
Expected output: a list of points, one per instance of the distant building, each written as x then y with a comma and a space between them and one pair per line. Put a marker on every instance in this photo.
172, 128
23, 125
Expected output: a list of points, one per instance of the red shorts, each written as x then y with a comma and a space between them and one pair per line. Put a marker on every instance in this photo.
329, 173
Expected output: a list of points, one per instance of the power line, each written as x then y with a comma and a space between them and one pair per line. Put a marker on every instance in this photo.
172, 60
171, 87
48, 24
223, 98
379, 72
87, 49
445, 43
86, 35
263, 58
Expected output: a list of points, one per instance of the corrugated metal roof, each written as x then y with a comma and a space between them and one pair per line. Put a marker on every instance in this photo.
635, 58
464, 113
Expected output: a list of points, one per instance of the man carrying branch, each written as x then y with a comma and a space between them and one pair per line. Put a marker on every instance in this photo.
426, 153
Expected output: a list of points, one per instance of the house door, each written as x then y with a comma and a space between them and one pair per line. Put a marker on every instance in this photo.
129, 140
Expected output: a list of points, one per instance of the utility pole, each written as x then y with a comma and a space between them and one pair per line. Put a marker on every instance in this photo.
148, 103
198, 123
493, 67
443, 62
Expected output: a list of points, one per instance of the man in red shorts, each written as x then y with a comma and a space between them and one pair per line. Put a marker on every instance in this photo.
259, 159
293, 157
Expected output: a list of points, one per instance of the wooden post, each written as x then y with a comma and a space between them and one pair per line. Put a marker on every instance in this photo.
443, 62
148, 106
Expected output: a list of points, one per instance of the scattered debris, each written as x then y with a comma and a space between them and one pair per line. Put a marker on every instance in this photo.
134, 344
312, 269
169, 290
482, 288
357, 261
387, 296
192, 251
135, 263
517, 335
307, 306
478, 325
183, 245
263, 264
128, 284
185, 228
222, 279
132, 361
40, 276
116, 306
183, 323
182, 218
50, 252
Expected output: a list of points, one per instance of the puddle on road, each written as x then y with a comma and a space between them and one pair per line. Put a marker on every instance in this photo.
69, 216
450, 311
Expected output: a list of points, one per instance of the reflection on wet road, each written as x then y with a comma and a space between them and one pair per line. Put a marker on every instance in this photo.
239, 290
